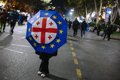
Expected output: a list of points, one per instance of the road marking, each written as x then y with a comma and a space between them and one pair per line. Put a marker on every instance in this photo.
20, 45
75, 61
71, 44
13, 50
79, 75
78, 71
73, 54
3, 36
72, 49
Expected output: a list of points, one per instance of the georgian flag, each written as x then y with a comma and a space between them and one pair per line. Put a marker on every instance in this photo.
44, 30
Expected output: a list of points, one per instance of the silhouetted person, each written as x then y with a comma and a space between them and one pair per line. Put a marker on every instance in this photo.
99, 28
3, 20
83, 28
44, 66
108, 31
13, 19
70, 24
75, 27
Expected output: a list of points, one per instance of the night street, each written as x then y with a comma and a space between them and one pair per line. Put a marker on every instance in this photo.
89, 58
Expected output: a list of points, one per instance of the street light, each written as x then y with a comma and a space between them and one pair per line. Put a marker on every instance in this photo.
71, 13
72, 10
2, 4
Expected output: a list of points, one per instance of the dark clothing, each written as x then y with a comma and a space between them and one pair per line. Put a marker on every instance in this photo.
95, 29
108, 31
44, 63
3, 19
99, 29
70, 24
13, 17
44, 66
75, 27
83, 28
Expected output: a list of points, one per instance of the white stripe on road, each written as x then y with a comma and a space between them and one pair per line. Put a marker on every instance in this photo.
20, 45
2, 47
3, 36
13, 50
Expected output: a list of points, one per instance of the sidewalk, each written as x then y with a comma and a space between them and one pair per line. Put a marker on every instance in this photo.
114, 36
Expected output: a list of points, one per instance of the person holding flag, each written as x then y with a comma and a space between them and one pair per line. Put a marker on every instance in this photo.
46, 32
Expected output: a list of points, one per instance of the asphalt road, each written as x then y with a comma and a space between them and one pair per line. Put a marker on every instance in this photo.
89, 58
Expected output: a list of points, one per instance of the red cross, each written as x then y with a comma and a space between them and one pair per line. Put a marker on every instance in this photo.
38, 23
36, 36
51, 23
49, 37
43, 30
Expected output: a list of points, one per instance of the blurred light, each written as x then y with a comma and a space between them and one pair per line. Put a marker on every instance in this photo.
109, 12
99, 18
103, 7
80, 19
47, 1
72, 10
53, 8
2, 4
103, 16
88, 15
71, 13
63, 15
93, 14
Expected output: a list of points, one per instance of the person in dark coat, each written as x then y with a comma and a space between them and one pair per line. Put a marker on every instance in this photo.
13, 19
70, 24
83, 28
99, 29
3, 20
44, 66
108, 31
75, 27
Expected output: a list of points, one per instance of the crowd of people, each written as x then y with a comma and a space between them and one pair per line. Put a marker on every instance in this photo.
76, 25
10, 18
102, 29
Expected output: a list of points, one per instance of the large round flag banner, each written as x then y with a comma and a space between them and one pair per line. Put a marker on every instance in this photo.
46, 31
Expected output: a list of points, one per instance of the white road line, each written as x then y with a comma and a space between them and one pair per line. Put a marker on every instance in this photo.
20, 45
2, 47
3, 36
13, 50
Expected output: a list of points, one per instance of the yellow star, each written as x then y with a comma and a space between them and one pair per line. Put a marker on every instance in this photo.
52, 45
30, 38
46, 14
61, 31
35, 44
29, 30
58, 40
54, 17
43, 47
59, 22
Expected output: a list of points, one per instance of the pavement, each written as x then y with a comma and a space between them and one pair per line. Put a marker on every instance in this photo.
115, 37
